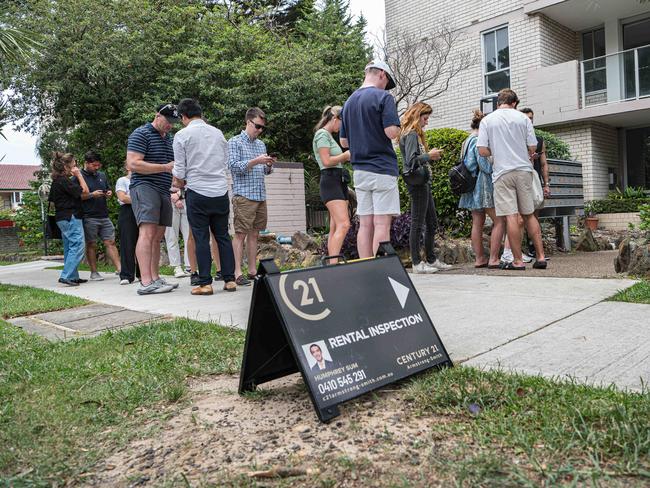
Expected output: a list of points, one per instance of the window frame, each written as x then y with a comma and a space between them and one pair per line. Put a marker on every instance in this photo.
485, 73
593, 69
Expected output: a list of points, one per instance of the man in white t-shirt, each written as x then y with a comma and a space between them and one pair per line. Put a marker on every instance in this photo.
508, 136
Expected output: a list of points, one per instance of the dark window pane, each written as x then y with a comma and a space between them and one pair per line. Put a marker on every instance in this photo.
497, 81
596, 81
599, 42
587, 45
644, 71
502, 48
489, 48
629, 75
636, 34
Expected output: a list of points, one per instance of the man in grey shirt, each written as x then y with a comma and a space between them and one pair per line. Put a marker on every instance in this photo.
508, 136
200, 161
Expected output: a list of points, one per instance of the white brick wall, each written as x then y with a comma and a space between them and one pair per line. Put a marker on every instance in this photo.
618, 221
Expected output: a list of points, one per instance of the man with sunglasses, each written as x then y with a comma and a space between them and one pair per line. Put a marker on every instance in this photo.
150, 157
248, 164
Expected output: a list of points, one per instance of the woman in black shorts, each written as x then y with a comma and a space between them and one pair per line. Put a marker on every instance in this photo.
333, 185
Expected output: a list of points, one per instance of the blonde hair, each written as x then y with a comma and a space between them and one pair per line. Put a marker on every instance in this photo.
410, 121
328, 114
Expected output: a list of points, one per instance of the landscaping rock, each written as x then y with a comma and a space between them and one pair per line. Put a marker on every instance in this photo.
271, 249
586, 242
266, 238
303, 242
640, 261
625, 251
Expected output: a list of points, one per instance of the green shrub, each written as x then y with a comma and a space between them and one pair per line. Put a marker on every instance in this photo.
6, 215
644, 213
451, 219
630, 193
556, 148
616, 206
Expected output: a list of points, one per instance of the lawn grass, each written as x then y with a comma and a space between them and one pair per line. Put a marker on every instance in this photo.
109, 268
637, 293
530, 431
16, 301
64, 404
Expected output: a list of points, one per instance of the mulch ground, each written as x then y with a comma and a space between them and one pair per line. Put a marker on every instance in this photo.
561, 265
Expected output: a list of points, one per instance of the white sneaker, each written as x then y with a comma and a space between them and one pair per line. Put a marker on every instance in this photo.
125, 282
526, 258
179, 272
96, 277
507, 256
440, 265
153, 288
424, 268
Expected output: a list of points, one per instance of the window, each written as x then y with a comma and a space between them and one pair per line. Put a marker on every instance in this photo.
496, 60
16, 198
593, 46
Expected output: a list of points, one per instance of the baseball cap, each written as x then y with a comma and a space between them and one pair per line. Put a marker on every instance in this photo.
168, 110
376, 63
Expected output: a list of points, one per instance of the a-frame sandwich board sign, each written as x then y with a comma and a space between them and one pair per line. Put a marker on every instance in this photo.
347, 328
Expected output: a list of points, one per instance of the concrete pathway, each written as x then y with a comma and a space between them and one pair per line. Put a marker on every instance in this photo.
551, 326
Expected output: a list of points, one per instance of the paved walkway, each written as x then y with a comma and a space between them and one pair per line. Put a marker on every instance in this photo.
557, 327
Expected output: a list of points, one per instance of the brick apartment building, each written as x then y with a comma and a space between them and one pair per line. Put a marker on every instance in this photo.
582, 65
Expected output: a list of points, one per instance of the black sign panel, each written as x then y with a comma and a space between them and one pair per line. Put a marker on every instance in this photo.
348, 328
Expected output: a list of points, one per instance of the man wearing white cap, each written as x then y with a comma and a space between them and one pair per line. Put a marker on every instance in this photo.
369, 123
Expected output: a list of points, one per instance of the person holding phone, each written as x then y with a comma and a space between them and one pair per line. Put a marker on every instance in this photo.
249, 163
66, 194
96, 222
334, 178
417, 156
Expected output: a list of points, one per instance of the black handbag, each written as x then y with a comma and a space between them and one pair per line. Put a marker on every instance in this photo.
415, 176
51, 229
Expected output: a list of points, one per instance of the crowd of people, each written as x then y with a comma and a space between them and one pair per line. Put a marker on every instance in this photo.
178, 186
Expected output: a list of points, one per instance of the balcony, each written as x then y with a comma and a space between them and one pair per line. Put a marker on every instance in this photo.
618, 77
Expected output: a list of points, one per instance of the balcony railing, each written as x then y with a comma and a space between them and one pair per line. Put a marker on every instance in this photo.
616, 77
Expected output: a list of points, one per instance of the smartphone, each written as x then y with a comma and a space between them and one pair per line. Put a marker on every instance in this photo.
273, 155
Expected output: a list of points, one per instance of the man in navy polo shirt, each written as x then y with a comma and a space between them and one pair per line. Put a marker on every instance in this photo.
150, 157
369, 124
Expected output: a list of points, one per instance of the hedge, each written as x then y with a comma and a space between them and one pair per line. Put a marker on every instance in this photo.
616, 206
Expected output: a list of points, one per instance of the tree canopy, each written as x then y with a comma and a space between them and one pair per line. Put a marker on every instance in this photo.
104, 66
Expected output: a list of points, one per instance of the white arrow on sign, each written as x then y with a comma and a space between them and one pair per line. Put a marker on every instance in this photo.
400, 290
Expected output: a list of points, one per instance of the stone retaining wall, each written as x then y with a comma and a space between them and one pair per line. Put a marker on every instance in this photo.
9, 242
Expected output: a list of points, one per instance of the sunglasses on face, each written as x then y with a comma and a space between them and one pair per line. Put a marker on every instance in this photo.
258, 126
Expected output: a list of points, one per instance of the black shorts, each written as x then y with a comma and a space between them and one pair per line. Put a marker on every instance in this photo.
332, 186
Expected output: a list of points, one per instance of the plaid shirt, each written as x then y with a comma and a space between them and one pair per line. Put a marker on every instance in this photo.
247, 182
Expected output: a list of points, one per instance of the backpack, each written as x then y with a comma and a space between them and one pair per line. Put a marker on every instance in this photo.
461, 179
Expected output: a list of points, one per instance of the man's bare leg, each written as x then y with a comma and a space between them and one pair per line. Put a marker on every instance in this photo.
365, 236
251, 251
535, 233
238, 250
146, 235
514, 235
381, 231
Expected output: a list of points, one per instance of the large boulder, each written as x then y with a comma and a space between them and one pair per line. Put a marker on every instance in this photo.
586, 242
303, 242
640, 261
625, 249
272, 249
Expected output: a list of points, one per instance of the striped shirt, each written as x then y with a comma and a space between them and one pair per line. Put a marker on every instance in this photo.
147, 141
247, 182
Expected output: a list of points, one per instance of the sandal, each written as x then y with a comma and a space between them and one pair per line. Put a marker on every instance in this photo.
495, 266
484, 265
512, 267
540, 264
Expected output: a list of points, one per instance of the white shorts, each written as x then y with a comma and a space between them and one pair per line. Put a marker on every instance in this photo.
376, 194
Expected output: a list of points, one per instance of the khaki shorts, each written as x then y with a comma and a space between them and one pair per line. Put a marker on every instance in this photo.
513, 193
249, 215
